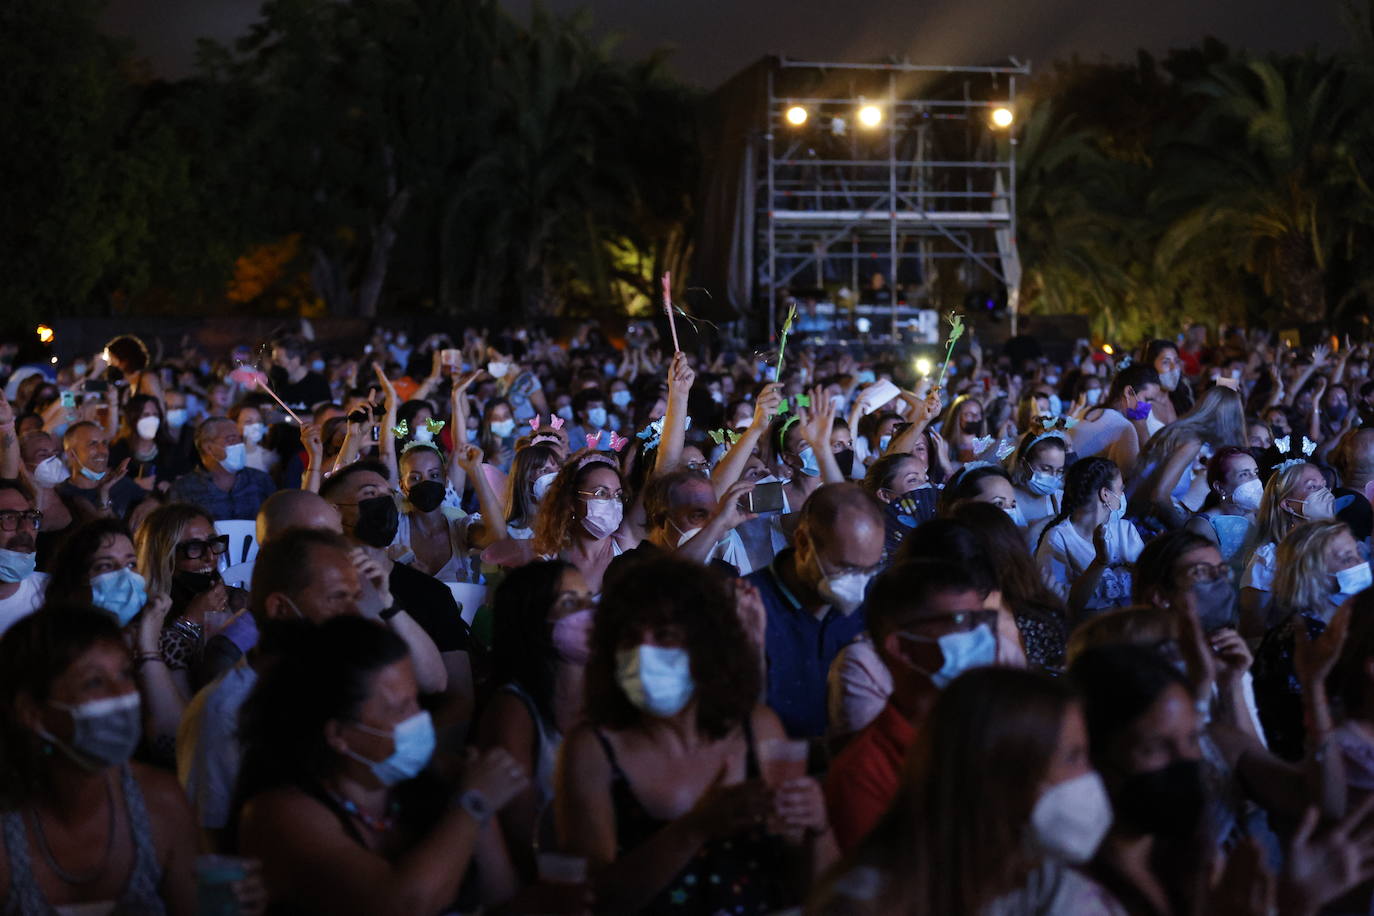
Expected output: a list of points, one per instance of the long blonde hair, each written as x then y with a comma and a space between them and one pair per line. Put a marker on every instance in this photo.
1217, 419
1273, 521
1302, 582
156, 543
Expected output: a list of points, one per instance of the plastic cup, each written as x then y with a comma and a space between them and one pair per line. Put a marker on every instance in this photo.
782, 761
215, 879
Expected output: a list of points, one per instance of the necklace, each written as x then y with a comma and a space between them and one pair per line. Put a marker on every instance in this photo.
375, 824
84, 877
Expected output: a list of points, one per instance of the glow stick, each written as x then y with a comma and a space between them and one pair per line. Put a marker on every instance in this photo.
956, 330
289, 412
782, 342
668, 307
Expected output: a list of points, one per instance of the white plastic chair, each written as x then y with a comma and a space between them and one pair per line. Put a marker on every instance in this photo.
243, 539
469, 598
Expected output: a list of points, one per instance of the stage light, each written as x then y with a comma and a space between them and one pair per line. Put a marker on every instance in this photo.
44, 334
923, 366
870, 116
1107, 348
1002, 117
796, 116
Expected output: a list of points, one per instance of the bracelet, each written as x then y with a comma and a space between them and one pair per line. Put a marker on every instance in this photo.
146, 657
476, 805
390, 612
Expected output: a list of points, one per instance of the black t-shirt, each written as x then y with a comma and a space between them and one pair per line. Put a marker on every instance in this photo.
431, 604
305, 394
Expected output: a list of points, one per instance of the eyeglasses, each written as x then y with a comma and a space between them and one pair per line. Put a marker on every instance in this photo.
195, 549
1206, 572
9, 521
602, 493
960, 621
698, 466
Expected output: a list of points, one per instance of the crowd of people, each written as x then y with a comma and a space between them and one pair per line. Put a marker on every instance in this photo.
506, 623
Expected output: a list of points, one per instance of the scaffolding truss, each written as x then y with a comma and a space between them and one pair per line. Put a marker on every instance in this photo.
933, 181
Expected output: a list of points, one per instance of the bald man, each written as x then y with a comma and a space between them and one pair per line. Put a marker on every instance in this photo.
812, 593
280, 512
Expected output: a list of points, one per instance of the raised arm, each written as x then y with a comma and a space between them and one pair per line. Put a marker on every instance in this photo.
458, 426
730, 467
387, 447
10, 462
313, 439
921, 412
680, 378
493, 513
815, 429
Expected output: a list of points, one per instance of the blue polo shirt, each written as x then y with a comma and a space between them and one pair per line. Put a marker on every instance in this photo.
799, 649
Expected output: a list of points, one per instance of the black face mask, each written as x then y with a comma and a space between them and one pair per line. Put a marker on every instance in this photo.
1164, 802
378, 520
187, 585
973, 427
426, 495
845, 460
1216, 605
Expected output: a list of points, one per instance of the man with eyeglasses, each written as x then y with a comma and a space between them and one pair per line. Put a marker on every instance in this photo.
928, 625
223, 487
21, 589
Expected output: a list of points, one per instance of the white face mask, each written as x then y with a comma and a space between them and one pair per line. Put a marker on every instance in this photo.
1169, 380
422, 434
234, 458
51, 471
603, 517
253, 433
655, 679
542, 484
1354, 580
147, 427
1070, 819
1092, 396
176, 417
1247, 496
498, 370
845, 591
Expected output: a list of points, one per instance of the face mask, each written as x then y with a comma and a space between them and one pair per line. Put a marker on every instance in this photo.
105, 732
253, 433
717, 397
378, 519
422, 434
122, 592
78, 369
1169, 380
572, 636
883, 443
1316, 507
837, 402
1070, 819
187, 585
1140, 411
603, 517
596, 417
176, 417
810, 467
317, 365
1018, 518
1119, 512
472, 436
1166, 801
51, 471
502, 428
1216, 603
1056, 405
620, 398
498, 370
1051, 380
1247, 496
974, 648
845, 459
92, 475
566, 412
1354, 580
972, 427
542, 484
1337, 411
147, 427
1092, 396
426, 495
866, 377
414, 741
608, 369
15, 565
655, 680
1044, 484
235, 457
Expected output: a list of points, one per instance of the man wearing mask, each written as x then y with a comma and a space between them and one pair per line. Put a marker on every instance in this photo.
21, 589
928, 625
683, 515
292, 378
589, 406
94, 488
302, 578
40, 464
223, 486
811, 596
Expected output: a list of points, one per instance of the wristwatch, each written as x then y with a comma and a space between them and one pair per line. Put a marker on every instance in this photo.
390, 612
476, 804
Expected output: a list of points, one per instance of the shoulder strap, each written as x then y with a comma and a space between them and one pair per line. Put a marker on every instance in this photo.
609, 751
141, 893
751, 760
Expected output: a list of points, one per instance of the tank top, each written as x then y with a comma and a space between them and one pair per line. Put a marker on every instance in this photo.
139, 897
1231, 532
740, 875
549, 738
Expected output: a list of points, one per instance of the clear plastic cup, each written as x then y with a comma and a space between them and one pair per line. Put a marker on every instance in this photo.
782, 761
215, 879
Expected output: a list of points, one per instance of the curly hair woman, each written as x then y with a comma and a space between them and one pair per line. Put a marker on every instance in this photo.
582, 519
660, 788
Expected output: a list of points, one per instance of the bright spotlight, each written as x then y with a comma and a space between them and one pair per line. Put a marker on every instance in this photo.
1002, 117
1107, 348
796, 116
44, 334
923, 366
870, 116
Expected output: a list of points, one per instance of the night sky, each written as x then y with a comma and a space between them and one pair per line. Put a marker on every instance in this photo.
715, 38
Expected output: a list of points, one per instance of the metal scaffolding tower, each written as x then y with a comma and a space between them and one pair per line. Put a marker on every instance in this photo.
932, 180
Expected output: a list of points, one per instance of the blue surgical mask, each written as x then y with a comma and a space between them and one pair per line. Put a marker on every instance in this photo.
121, 591
1018, 518
810, 467
883, 443
1043, 484
1056, 405
15, 565
176, 417
596, 417
502, 428
1120, 511
974, 648
235, 457
866, 377
620, 398
566, 412
92, 475
317, 365
609, 368
655, 679
414, 745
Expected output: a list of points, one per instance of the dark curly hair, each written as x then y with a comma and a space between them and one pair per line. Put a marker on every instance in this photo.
669, 592
557, 517
69, 579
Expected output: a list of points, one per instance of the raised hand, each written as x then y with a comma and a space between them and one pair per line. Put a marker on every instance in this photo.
495, 774
766, 406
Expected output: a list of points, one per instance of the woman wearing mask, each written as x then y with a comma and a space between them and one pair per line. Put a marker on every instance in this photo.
1319, 569
582, 520
145, 444
1167, 485
1162, 356
85, 830
874, 436
254, 430
1088, 549
622, 405
983, 483
962, 424
1037, 473
333, 793
1294, 494
804, 456
901, 484
1228, 516
998, 803
531, 474
543, 613
437, 538
497, 436
661, 789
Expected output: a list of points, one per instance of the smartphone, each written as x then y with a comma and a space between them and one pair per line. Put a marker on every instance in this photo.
68, 399
765, 497
95, 386
451, 358
376, 433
